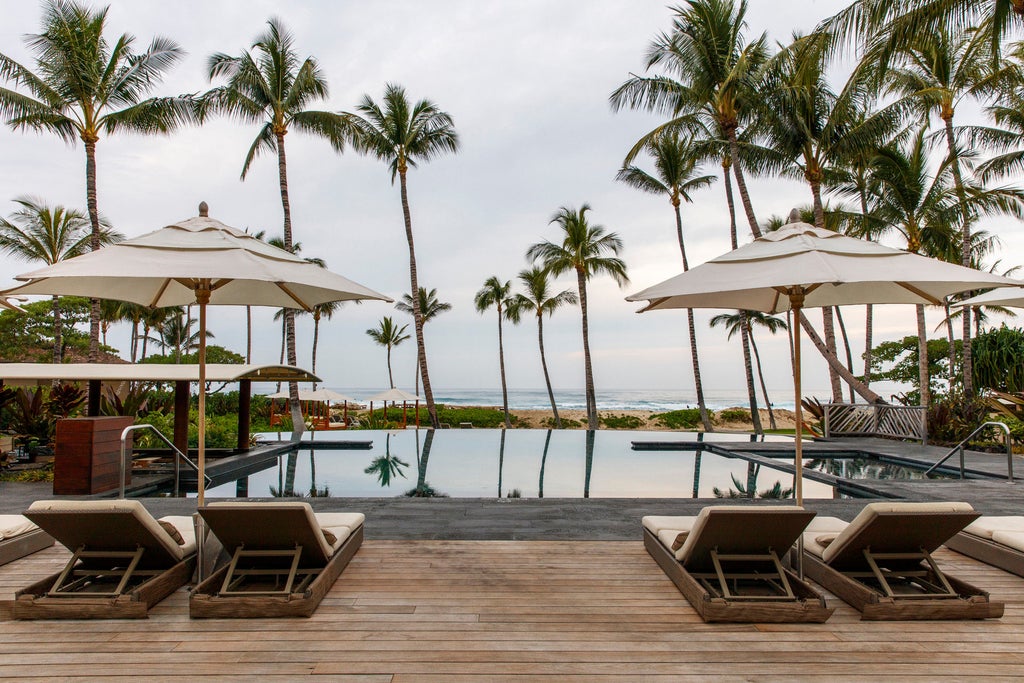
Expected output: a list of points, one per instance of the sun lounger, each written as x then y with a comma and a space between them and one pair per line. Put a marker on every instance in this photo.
881, 563
284, 559
19, 537
998, 541
726, 561
123, 560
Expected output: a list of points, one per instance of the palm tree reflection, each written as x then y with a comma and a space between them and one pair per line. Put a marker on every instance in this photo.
423, 489
749, 490
543, 462
591, 434
386, 466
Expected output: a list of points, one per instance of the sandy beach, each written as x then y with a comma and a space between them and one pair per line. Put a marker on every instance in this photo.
538, 419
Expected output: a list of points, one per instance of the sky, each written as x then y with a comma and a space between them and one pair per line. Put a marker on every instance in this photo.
527, 84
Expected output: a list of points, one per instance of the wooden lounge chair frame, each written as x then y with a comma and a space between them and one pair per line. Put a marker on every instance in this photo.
988, 551
909, 585
140, 578
21, 545
748, 587
297, 591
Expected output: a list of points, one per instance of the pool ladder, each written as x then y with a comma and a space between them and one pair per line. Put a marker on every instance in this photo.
960, 448
178, 456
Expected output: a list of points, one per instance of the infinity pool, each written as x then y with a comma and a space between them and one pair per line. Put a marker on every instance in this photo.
482, 463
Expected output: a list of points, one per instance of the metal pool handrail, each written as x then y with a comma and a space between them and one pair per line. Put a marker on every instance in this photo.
178, 456
960, 447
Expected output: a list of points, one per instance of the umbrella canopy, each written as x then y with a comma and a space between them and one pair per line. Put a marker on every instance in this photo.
196, 261
394, 395
1012, 297
321, 395
801, 266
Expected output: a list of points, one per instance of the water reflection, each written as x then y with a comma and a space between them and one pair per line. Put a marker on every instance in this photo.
423, 489
543, 462
387, 466
749, 489
868, 468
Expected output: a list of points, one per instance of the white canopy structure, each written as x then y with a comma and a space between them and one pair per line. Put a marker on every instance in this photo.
320, 395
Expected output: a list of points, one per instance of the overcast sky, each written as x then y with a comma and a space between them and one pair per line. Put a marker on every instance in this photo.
527, 84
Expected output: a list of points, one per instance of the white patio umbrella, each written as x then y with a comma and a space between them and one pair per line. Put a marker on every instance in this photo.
800, 266
321, 396
196, 261
1011, 297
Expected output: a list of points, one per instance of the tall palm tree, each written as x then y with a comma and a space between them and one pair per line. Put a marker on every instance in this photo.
733, 322
582, 251
537, 301
110, 313
388, 335
938, 71
49, 234
83, 86
402, 135
675, 161
496, 293
273, 86
324, 310
712, 70
176, 335
430, 307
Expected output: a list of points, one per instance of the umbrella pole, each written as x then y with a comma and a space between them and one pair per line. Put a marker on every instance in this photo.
200, 479
796, 302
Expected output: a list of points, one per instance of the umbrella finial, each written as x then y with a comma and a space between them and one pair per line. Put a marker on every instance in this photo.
794, 216
204, 209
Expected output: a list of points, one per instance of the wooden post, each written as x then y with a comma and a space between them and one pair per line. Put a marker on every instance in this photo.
93, 406
244, 413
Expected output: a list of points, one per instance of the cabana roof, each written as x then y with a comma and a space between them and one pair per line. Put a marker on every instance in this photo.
151, 372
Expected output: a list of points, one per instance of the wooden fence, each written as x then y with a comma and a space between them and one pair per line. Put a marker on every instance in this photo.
861, 419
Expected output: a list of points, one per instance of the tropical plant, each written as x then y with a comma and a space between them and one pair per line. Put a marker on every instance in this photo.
997, 359
537, 301
733, 323
402, 135
49, 234
82, 86
430, 307
675, 161
176, 335
582, 252
496, 293
388, 335
273, 86
64, 400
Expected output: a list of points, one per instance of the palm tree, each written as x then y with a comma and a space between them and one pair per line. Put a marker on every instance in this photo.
176, 335
538, 301
717, 72
733, 323
49, 234
496, 293
325, 310
110, 313
402, 136
430, 307
82, 87
581, 251
675, 161
272, 86
388, 335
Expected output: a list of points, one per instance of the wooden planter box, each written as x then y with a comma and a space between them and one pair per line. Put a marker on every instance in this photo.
87, 453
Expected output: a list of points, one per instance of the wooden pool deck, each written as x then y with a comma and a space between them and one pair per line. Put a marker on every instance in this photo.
527, 611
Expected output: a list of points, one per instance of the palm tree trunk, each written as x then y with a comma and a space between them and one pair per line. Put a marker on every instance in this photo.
748, 368
922, 358
741, 183
391, 378
846, 346
589, 466
544, 365
588, 367
866, 393
952, 346
829, 330
284, 336
298, 424
145, 341
764, 389
501, 364
543, 462
316, 339
58, 340
697, 382
248, 335
966, 358
726, 163
417, 314
869, 322
94, 219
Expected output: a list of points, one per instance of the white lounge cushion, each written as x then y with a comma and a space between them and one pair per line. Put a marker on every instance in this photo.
1011, 539
15, 525
986, 526
186, 526
667, 528
872, 510
821, 528
340, 524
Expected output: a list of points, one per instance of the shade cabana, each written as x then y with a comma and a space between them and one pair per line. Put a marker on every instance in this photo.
316, 408
112, 374
394, 396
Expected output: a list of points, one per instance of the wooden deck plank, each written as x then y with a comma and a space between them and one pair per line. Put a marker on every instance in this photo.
528, 612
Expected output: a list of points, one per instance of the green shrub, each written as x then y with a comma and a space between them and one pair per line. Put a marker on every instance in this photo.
33, 475
549, 422
734, 415
688, 418
951, 418
622, 421
484, 418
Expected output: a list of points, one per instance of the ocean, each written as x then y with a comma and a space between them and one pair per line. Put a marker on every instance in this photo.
607, 399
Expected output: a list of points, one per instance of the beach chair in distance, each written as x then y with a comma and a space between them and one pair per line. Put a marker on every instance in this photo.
123, 560
19, 536
284, 559
994, 540
881, 562
727, 562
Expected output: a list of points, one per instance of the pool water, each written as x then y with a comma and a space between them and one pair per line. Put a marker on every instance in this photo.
867, 467
482, 463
